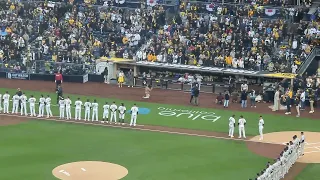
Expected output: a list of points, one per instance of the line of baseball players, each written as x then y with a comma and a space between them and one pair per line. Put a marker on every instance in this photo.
65, 108
241, 123
293, 150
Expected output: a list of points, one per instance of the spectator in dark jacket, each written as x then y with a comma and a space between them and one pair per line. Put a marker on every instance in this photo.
244, 99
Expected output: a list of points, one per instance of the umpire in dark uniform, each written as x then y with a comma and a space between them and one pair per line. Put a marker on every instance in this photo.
19, 93
59, 93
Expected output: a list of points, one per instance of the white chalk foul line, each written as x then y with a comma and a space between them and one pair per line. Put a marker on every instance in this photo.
138, 128
308, 152
308, 144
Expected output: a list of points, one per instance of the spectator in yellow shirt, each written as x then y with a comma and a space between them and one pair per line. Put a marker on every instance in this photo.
229, 60
125, 40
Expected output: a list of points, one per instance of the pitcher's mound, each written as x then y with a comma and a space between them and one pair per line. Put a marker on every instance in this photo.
93, 170
311, 148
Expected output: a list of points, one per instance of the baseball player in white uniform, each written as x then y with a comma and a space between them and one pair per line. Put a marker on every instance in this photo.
95, 107
232, 124
113, 114
134, 113
42, 102
23, 105
62, 107
261, 126
122, 110
15, 104
242, 132
68, 108
48, 107
32, 104
105, 112
302, 143
87, 109
6, 101
77, 114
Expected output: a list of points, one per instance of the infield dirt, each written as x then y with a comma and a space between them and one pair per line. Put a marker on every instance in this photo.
158, 96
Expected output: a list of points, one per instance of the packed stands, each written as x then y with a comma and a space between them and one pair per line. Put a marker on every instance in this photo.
88, 32
245, 36
21, 23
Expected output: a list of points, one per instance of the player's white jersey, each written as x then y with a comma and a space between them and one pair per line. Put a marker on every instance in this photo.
106, 108
232, 121
113, 108
95, 106
134, 110
68, 103
62, 103
6, 97
87, 105
32, 101
15, 98
261, 123
78, 104
24, 98
242, 121
48, 101
122, 109
42, 100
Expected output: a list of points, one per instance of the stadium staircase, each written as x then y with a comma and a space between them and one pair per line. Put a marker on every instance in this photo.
315, 52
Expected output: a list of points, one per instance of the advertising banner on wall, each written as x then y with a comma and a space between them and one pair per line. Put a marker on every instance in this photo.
24, 76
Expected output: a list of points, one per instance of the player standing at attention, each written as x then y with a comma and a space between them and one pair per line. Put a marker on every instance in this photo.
68, 107
32, 103
134, 113
87, 109
15, 104
113, 108
302, 143
95, 107
23, 100
62, 107
261, 126
6, 100
105, 112
48, 106
77, 114
242, 122
232, 124
42, 102
122, 110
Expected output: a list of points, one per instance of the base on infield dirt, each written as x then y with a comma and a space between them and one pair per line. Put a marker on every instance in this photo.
95, 170
311, 148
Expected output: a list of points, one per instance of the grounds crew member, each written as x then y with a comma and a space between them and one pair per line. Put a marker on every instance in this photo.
59, 93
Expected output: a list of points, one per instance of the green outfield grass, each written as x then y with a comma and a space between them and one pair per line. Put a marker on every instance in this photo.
31, 150
37, 146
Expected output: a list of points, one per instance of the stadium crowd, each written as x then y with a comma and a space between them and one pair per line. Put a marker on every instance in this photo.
21, 23
89, 32
236, 37
246, 36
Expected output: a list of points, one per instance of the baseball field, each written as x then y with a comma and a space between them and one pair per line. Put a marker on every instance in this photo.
173, 140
